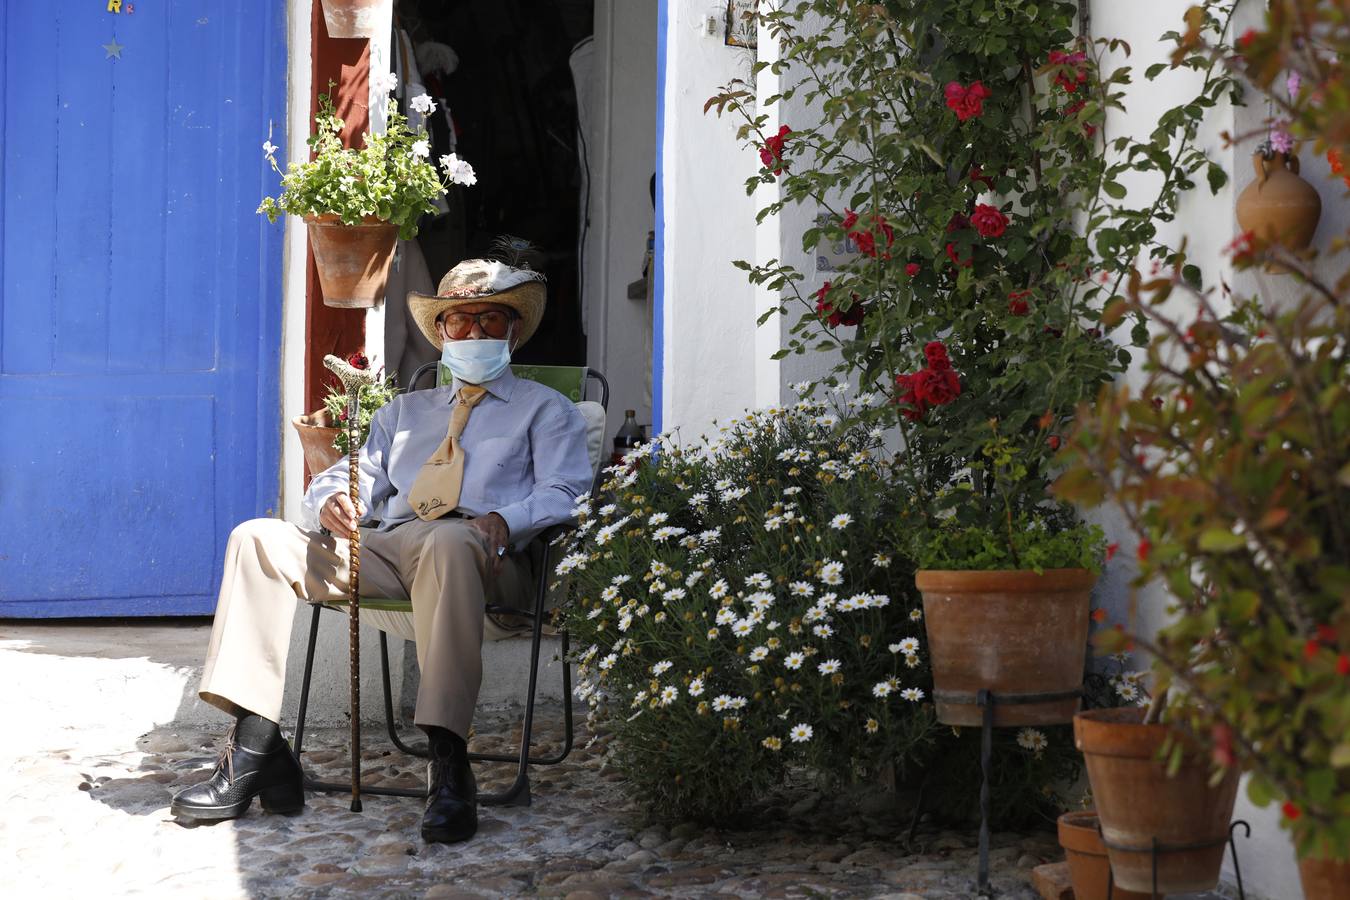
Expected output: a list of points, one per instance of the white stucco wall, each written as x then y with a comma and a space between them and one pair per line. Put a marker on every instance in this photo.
622, 161
708, 317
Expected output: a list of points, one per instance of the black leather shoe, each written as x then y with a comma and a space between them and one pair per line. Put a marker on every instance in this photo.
242, 774
452, 800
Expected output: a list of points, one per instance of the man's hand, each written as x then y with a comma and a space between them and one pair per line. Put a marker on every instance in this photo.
337, 514
498, 535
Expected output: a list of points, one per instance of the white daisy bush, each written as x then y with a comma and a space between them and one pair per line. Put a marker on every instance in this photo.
390, 177
736, 601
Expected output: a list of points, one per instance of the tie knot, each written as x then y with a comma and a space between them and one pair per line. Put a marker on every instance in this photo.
470, 394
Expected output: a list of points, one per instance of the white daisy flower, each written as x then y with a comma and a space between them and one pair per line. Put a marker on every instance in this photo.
814, 614
659, 568
794, 660
723, 485
914, 695
1031, 739
758, 580
696, 687
726, 615
881, 689
569, 562
693, 577
699, 499
625, 622
661, 667
595, 613
848, 604
832, 572
669, 694
719, 589
666, 532
713, 633
609, 593
759, 601
791, 491
734, 494
608, 509
822, 631
841, 521
877, 601
907, 645
881, 561
721, 703
759, 653
915, 615
709, 536
621, 579
772, 743
773, 523
742, 627
608, 662
657, 518
829, 667
801, 733
1128, 692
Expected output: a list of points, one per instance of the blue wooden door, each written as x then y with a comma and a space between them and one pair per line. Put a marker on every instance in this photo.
140, 301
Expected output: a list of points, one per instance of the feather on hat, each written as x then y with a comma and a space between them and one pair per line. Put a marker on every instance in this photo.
508, 281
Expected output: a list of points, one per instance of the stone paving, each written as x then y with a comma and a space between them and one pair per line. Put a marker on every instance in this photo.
86, 814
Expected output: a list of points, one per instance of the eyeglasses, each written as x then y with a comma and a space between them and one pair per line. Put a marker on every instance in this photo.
493, 323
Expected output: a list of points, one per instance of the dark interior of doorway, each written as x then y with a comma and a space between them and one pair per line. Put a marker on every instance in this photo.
513, 108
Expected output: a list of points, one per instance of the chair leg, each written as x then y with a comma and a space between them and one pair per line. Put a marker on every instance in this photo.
389, 704
568, 732
304, 687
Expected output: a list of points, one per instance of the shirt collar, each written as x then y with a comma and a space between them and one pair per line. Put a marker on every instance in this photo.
501, 387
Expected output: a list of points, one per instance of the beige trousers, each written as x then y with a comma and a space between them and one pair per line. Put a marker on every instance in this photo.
441, 566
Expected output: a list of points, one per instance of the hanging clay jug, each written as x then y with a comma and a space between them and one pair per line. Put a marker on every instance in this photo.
1279, 207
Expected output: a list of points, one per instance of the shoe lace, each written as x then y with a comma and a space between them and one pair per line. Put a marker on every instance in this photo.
226, 759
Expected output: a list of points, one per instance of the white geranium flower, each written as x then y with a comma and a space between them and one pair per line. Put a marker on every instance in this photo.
423, 104
759, 653
383, 82
829, 667
794, 660
801, 733
841, 521
269, 148
832, 572
913, 695
458, 170
696, 687
1031, 739
881, 689
421, 149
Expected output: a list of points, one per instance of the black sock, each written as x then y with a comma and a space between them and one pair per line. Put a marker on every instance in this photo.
444, 742
255, 733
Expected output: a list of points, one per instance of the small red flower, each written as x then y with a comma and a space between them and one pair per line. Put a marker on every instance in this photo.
1111, 551
966, 101
977, 174
1145, 546
1074, 109
771, 154
988, 221
358, 361
937, 387
867, 240
1290, 810
905, 395
1072, 72
1310, 648
911, 269
935, 354
957, 260
1343, 665
1017, 303
1245, 39
1326, 634
1099, 615
825, 309
1053, 441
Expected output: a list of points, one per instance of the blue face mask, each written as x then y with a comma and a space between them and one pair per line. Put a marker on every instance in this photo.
476, 362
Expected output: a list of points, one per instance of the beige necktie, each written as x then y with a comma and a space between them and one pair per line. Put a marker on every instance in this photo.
436, 490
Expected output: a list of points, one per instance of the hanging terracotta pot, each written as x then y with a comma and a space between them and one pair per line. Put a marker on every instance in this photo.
1324, 879
1279, 207
1012, 632
1086, 854
317, 434
356, 18
1138, 804
353, 260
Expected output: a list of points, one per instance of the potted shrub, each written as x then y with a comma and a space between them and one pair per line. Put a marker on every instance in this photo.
323, 433
358, 202
1230, 465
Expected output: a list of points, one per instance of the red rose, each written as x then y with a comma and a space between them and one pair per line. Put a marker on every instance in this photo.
957, 260
358, 361
966, 102
988, 221
865, 242
1290, 810
977, 174
957, 222
1074, 109
1017, 306
1144, 547
1343, 665
935, 354
936, 387
771, 154
825, 309
905, 394
850, 219
911, 269
1053, 441
1073, 63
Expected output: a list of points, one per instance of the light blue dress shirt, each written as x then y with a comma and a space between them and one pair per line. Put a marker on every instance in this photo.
524, 447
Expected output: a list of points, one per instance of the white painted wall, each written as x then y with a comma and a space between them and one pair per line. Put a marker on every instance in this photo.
622, 161
708, 317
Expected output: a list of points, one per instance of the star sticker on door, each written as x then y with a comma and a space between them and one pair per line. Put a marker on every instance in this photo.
114, 49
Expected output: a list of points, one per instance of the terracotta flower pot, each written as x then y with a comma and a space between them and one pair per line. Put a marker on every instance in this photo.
356, 18
1088, 869
1138, 804
1013, 632
1279, 207
316, 439
1325, 879
353, 260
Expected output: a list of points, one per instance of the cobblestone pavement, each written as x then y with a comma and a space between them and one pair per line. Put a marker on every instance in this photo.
86, 814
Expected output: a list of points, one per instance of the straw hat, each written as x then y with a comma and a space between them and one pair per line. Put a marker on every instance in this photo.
483, 281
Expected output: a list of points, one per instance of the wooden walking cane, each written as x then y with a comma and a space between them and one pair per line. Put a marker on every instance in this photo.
353, 379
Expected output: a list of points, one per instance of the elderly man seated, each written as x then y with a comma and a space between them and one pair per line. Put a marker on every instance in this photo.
461, 478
